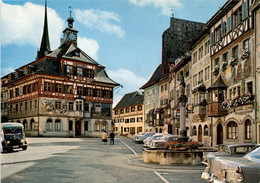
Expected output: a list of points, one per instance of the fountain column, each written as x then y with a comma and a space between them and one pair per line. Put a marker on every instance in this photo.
182, 103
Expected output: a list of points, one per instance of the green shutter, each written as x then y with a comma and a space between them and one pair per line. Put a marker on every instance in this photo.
229, 24
223, 29
212, 38
245, 10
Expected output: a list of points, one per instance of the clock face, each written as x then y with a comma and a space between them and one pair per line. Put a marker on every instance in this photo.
72, 36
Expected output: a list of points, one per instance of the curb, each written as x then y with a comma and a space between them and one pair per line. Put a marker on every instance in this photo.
138, 162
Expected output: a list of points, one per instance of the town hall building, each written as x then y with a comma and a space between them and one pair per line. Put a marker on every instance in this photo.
63, 92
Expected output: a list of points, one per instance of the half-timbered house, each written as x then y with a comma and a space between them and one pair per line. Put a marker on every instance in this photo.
63, 92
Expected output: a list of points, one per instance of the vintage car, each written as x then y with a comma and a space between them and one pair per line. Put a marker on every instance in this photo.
156, 136
14, 136
235, 150
234, 169
140, 138
160, 143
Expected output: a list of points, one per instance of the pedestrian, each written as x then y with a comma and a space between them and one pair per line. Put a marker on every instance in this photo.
104, 137
112, 136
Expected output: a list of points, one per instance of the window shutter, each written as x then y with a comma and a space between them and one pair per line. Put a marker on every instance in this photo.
212, 38
229, 24
75, 71
245, 10
223, 29
65, 69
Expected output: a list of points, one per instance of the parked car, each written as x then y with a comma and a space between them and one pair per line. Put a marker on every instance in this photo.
141, 137
160, 143
234, 150
234, 169
14, 136
156, 136
136, 135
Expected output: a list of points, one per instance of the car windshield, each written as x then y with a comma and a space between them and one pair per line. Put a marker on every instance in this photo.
223, 148
12, 131
156, 137
253, 154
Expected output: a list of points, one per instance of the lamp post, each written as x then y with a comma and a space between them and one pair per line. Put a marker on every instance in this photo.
182, 103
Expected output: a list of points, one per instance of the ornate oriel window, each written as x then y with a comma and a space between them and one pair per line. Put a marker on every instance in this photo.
232, 130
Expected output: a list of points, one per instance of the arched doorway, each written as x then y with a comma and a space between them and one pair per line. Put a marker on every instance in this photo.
200, 134
219, 134
78, 128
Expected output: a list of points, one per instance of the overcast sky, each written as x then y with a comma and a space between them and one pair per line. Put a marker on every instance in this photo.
123, 35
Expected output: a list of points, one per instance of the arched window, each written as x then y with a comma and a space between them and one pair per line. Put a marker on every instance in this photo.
49, 125
97, 126
57, 125
194, 131
70, 125
232, 130
86, 126
206, 130
248, 129
104, 126
25, 124
32, 124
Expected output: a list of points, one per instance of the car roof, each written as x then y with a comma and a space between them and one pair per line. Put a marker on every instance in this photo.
239, 145
10, 124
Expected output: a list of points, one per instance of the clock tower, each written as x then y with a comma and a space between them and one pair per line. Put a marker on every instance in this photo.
69, 34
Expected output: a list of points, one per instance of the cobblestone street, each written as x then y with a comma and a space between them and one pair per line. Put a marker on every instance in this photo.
87, 160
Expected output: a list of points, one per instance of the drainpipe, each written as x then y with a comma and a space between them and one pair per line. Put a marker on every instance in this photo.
256, 73
38, 107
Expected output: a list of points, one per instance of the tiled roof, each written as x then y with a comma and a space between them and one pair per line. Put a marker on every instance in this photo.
65, 51
156, 77
102, 77
130, 99
219, 84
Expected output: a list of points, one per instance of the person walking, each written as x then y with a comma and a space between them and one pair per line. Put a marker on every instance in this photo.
112, 136
104, 137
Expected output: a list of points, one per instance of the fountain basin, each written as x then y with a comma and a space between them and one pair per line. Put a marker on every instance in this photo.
172, 157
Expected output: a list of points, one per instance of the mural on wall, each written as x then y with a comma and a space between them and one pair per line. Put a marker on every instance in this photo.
48, 106
247, 68
239, 72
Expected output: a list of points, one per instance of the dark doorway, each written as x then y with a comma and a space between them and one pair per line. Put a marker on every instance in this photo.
200, 134
78, 128
219, 134
122, 129
170, 129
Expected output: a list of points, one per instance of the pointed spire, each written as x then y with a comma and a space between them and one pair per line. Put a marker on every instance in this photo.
45, 44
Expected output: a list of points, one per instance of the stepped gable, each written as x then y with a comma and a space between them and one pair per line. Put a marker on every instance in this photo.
130, 99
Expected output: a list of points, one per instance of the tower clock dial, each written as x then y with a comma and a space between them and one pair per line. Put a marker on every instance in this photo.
72, 36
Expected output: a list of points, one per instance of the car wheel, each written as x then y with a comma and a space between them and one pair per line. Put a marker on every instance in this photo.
24, 148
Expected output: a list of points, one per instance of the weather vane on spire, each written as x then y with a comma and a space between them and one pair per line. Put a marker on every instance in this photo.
172, 13
70, 10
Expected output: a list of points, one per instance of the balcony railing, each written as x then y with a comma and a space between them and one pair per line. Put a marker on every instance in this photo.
215, 109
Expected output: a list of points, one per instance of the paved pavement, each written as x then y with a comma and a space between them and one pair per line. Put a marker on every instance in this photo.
87, 160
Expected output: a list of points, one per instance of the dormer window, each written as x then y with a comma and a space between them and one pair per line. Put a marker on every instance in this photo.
76, 53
